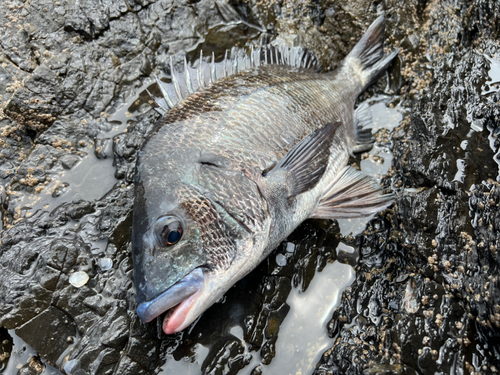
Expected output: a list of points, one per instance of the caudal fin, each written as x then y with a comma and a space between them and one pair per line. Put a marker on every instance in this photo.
369, 53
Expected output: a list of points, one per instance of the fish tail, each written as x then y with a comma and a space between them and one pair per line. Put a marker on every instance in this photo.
367, 58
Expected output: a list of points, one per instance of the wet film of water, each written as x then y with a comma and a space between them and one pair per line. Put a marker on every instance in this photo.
21, 356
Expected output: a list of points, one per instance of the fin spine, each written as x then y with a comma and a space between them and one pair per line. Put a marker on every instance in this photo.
184, 84
175, 82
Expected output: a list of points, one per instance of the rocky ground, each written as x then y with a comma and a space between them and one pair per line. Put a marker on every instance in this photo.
426, 298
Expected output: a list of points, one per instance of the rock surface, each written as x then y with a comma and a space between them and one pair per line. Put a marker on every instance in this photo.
426, 298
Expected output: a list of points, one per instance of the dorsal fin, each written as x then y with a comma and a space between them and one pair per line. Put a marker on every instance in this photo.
183, 84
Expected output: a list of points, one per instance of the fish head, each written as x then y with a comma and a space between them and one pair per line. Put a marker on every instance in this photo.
187, 252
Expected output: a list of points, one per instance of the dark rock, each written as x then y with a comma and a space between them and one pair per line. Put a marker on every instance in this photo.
229, 359
144, 352
5, 347
48, 332
117, 334
69, 161
105, 361
79, 209
127, 366
61, 255
433, 234
102, 147
60, 190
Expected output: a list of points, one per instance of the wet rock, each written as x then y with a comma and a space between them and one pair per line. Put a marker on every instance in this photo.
263, 329
417, 287
60, 189
128, 366
229, 359
117, 333
61, 255
48, 331
126, 145
144, 352
102, 146
69, 161
79, 209
5, 348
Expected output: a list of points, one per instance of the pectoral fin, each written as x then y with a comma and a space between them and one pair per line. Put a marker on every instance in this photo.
351, 194
306, 162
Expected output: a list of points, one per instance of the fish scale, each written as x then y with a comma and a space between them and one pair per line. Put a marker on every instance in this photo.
250, 211
213, 230
240, 127
232, 169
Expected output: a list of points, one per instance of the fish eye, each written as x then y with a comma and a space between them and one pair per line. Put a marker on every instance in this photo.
168, 231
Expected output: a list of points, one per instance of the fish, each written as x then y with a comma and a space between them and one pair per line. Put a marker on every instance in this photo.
246, 150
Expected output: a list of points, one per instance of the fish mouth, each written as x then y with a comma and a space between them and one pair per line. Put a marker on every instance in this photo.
178, 299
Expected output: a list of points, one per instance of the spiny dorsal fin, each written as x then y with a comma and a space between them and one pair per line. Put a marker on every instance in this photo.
208, 71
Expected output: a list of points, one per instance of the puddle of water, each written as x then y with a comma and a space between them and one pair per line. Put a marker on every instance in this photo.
378, 160
460, 175
186, 366
493, 84
303, 338
21, 355
352, 227
384, 117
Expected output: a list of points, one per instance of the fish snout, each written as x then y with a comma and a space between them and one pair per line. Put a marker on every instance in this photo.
187, 286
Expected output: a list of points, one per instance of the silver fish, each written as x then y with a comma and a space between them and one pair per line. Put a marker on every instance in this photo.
247, 149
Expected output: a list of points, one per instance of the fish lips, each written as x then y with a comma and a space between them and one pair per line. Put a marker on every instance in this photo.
187, 286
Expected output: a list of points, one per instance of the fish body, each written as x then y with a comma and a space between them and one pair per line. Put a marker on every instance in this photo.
232, 169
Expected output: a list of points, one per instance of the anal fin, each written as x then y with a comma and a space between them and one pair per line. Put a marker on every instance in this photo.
351, 195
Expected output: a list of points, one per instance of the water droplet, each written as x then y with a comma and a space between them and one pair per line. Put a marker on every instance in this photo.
79, 279
281, 260
105, 264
